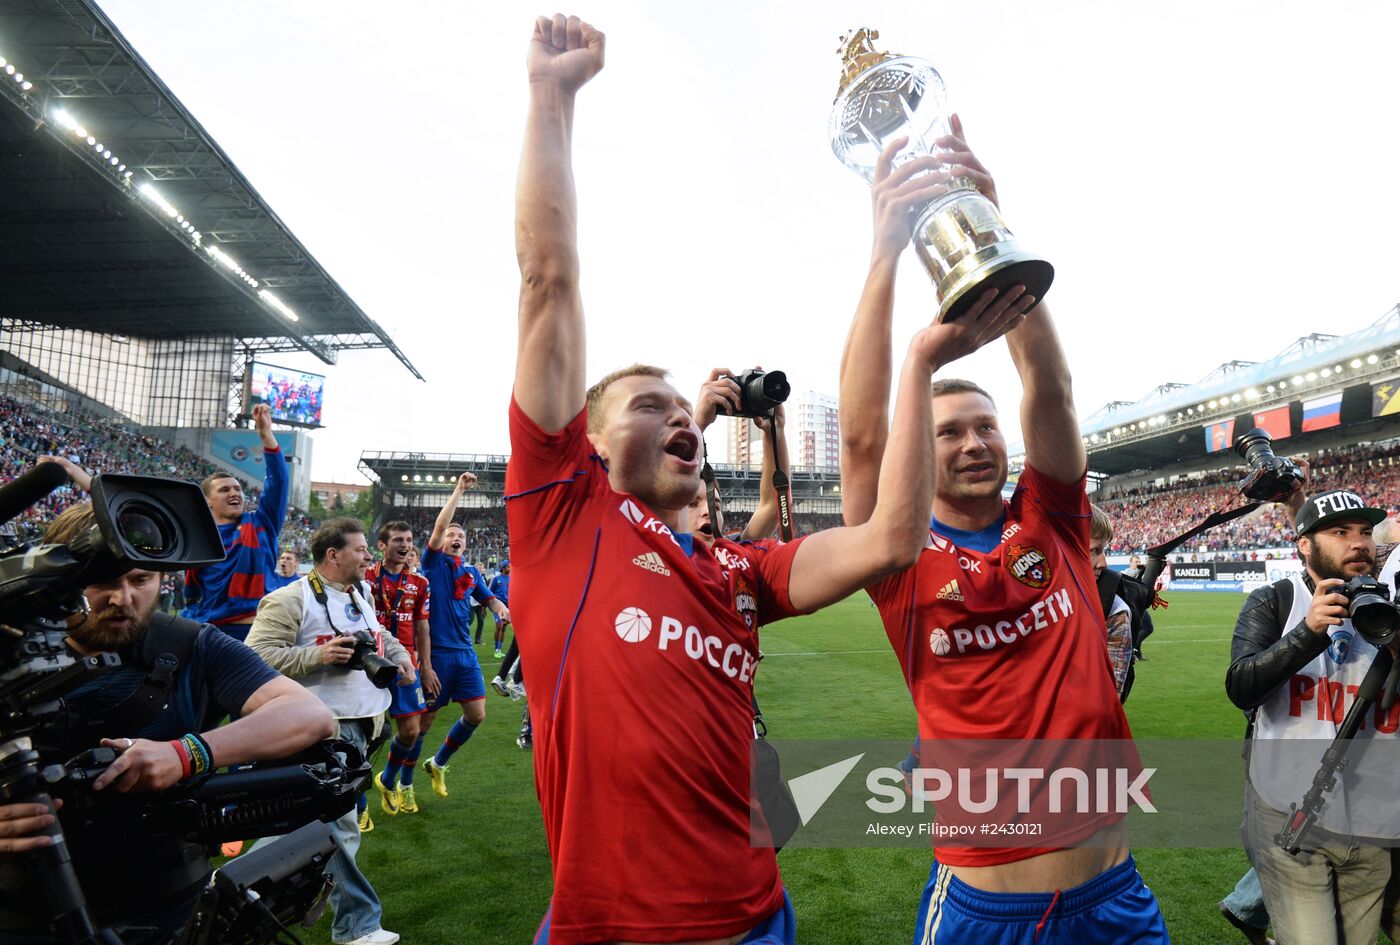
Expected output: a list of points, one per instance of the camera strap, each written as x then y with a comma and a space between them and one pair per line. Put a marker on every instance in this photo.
1157, 556
167, 647
707, 474
781, 483
318, 590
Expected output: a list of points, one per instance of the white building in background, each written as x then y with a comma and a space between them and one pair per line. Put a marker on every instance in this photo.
745, 444
814, 436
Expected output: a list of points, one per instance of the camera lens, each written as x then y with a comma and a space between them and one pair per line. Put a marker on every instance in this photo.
1255, 447
1374, 618
776, 387
146, 529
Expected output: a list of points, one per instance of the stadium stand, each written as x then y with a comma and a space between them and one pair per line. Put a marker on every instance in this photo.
98, 444
1145, 516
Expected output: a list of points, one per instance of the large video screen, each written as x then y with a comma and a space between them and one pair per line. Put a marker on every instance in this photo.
294, 396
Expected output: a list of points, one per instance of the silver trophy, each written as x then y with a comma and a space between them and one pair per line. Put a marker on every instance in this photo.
961, 238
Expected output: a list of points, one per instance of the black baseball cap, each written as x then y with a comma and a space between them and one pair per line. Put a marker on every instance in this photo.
1327, 507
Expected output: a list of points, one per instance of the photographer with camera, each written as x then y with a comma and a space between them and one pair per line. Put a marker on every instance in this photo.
160, 712
323, 631
759, 396
1297, 661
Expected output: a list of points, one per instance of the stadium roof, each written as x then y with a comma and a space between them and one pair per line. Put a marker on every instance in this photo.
1169, 423
411, 472
120, 214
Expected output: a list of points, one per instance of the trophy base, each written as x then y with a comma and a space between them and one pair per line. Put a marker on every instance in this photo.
997, 267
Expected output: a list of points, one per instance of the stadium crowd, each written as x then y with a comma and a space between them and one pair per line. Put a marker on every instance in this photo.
99, 444
1147, 515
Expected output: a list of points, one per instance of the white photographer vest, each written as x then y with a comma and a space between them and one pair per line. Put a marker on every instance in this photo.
1298, 721
347, 693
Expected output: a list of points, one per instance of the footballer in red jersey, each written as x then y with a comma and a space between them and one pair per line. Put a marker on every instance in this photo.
641, 643
997, 626
401, 599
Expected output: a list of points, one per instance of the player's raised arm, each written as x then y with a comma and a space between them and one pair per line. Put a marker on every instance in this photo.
1048, 421
831, 565
449, 508
866, 360
549, 380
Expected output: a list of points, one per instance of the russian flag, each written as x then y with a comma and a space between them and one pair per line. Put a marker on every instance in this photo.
1322, 413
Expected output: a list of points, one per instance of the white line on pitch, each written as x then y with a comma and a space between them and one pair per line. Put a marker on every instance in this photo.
769, 656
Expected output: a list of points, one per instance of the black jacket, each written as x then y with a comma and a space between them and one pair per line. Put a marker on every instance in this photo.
1263, 654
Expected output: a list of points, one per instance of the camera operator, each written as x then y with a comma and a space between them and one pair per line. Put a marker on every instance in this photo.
145, 886
308, 631
1295, 654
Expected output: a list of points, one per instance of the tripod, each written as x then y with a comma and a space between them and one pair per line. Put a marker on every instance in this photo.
1381, 679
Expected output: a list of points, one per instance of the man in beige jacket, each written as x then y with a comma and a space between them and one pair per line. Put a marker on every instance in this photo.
307, 630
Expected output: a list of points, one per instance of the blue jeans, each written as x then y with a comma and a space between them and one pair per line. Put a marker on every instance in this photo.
1247, 901
1329, 895
356, 904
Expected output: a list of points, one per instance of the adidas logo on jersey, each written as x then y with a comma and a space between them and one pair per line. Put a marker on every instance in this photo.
651, 561
950, 591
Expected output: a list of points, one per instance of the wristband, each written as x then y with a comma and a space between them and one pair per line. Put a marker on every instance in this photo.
198, 753
208, 752
184, 755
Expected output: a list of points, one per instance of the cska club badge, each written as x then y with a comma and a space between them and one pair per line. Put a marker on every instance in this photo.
1029, 566
746, 603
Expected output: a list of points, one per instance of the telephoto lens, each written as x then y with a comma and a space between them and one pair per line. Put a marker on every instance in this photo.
1372, 613
380, 671
1270, 478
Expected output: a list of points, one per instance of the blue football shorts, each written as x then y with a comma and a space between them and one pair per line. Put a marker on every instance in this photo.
459, 674
407, 700
1113, 908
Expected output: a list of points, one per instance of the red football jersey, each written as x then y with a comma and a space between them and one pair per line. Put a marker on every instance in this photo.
400, 604
641, 660
1009, 644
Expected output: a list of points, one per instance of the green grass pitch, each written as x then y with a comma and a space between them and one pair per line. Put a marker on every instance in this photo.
473, 868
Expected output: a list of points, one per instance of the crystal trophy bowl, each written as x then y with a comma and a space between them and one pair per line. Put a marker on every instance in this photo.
961, 238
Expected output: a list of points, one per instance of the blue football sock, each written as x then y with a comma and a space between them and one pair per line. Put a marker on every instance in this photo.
398, 753
410, 762
457, 737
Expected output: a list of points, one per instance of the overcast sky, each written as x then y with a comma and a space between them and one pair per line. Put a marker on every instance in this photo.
1210, 180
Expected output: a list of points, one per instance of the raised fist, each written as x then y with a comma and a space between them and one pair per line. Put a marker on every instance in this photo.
564, 50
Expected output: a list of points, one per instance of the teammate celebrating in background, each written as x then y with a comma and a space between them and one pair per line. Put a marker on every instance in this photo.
287, 570
227, 594
987, 563
454, 584
642, 643
401, 599
500, 586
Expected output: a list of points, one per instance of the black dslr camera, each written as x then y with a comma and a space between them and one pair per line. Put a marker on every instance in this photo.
760, 393
366, 656
1270, 478
1371, 610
